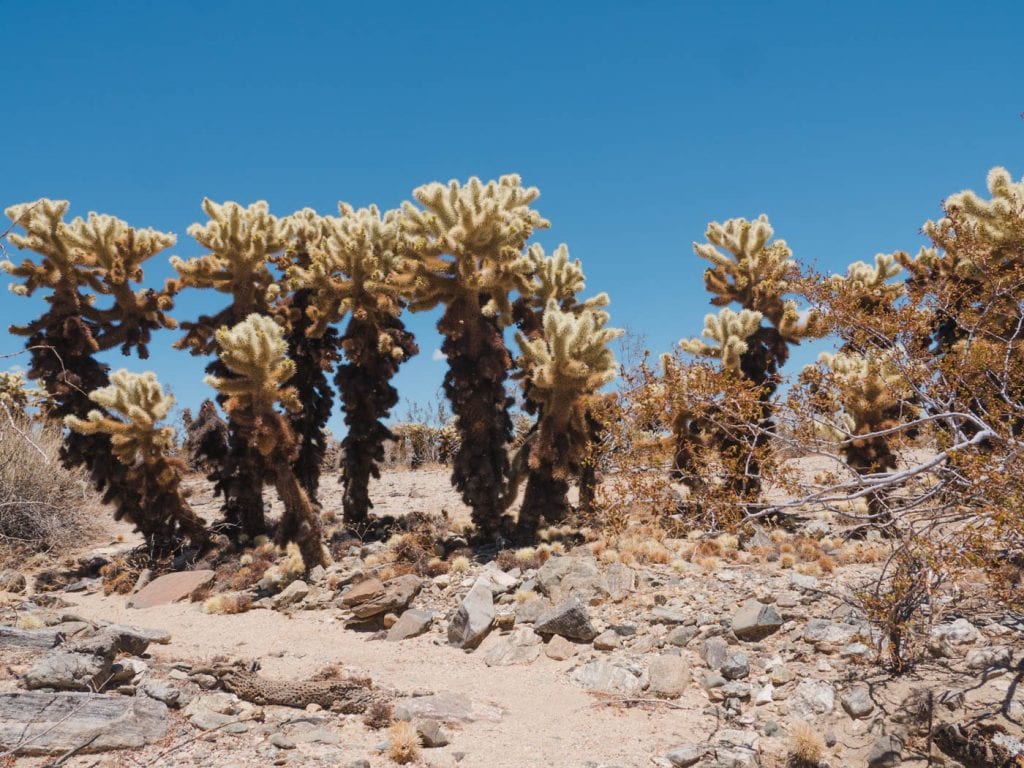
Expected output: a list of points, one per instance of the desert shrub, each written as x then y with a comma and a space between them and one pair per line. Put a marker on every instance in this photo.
403, 743
43, 505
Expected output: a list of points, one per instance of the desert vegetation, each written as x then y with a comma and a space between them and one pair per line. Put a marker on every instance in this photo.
905, 438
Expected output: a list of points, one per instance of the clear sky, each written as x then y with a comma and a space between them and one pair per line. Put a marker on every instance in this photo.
640, 122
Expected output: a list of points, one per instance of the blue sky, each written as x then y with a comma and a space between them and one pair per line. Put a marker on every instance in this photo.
640, 122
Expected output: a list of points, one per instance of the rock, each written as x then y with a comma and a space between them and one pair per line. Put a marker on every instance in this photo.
604, 677
532, 609
683, 757
755, 621
812, 698
564, 577
885, 752
620, 580
293, 593
803, 582
735, 667
667, 616
281, 741
54, 723
669, 676
609, 640
765, 695
499, 581
559, 649
433, 734
989, 658
30, 638
857, 702
829, 637
568, 619
12, 581
782, 675
412, 623
948, 639
523, 646
681, 636
473, 619
64, 670
446, 707
317, 574
364, 591
714, 652
398, 593
168, 694
170, 588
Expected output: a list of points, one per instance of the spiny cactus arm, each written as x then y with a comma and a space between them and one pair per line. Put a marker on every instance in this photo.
256, 352
43, 222
999, 219
482, 229
729, 331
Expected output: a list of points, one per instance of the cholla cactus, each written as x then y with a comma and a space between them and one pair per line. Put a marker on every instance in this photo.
255, 352
352, 271
81, 264
15, 394
729, 331
867, 393
133, 406
242, 242
565, 367
466, 246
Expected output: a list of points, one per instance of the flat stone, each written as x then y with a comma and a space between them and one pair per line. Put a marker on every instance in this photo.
170, 695
669, 676
523, 646
681, 636
170, 588
30, 638
999, 656
293, 593
447, 707
474, 617
559, 649
829, 637
661, 615
368, 589
412, 623
398, 593
64, 670
685, 756
564, 577
949, 639
569, 619
755, 621
609, 640
620, 580
885, 752
53, 723
604, 677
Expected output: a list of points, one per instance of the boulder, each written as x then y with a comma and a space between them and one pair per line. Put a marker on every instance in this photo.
559, 649
170, 588
523, 646
398, 593
446, 707
64, 670
605, 677
857, 702
755, 621
474, 617
54, 723
364, 591
812, 698
669, 676
569, 619
412, 623
293, 593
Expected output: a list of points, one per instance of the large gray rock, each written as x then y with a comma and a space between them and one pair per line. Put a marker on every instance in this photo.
564, 577
714, 652
569, 619
30, 638
857, 702
886, 752
559, 649
64, 670
735, 667
620, 580
293, 593
685, 756
522, 646
604, 677
829, 637
755, 621
398, 593
474, 617
53, 723
446, 707
951, 639
411, 623
669, 676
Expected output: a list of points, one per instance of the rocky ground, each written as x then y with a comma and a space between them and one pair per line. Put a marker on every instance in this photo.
587, 659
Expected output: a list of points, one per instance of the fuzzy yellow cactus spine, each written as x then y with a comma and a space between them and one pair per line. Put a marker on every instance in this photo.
729, 331
354, 271
565, 368
89, 270
255, 353
133, 406
466, 246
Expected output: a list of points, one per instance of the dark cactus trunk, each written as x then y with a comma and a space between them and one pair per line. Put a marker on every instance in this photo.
314, 358
475, 385
368, 397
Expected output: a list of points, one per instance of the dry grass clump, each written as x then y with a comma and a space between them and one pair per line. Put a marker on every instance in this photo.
228, 603
378, 715
287, 569
403, 743
805, 746
459, 564
43, 506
